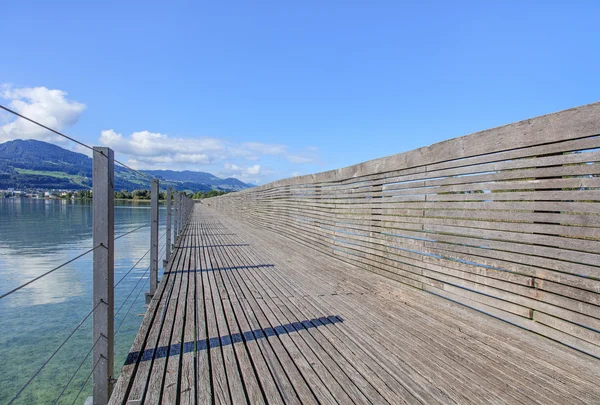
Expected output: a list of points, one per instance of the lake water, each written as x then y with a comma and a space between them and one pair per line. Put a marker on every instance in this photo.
36, 236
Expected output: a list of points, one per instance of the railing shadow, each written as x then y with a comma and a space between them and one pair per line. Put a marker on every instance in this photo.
254, 266
215, 246
226, 340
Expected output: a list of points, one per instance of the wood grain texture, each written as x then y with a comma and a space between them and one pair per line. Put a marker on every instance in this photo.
507, 218
277, 321
463, 272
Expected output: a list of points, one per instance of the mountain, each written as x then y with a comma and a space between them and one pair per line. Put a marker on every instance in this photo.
30, 164
199, 177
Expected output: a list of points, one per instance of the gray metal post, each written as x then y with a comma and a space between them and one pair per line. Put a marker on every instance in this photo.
168, 236
176, 203
181, 212
177, 208
153, 239
103, 229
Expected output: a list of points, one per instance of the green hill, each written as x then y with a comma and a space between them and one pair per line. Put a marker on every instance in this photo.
30, 164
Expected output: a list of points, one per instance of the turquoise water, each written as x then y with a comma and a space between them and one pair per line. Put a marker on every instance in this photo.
36, 236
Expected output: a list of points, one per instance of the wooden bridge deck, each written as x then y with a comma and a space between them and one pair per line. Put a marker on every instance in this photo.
246, 316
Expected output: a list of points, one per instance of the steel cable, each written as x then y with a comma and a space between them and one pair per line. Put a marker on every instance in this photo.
131, 269
130, 232
133, 302
136, 297
86, 380
48, 272
45, 127
71, 139
53, 354
76, 371
161, 254
6, 294
138, 262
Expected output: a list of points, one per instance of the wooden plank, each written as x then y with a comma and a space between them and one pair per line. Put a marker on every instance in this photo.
172, 378
388, 354
288, 279
449, 319
128, 372
439, 274
305, 354
587, 334
267, 383
246, 369
524, 251
214, 344
139, 385
281, 350
336, 349
187, 379
163, 350
232, 368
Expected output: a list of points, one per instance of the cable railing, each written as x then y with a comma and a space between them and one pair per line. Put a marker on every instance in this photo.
103, 315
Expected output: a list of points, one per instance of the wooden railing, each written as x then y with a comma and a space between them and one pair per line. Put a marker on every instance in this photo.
506, 221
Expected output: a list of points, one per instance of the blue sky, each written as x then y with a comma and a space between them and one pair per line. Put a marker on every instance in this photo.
262, 90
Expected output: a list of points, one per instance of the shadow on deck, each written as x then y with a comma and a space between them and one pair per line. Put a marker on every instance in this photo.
226, 340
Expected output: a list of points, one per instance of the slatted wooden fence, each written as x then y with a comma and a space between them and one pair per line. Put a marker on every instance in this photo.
506, 221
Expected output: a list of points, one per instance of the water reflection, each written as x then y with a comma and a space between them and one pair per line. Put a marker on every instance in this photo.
36, 236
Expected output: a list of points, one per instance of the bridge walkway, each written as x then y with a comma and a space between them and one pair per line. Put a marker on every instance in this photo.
247, 316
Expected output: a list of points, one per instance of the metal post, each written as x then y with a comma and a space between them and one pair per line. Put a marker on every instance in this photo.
168, 236
103, 228
187, 208
181, 213
153, 240
177, 208
176, 202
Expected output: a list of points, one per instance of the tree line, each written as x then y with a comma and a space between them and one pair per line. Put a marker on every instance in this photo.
140, 194
145, 194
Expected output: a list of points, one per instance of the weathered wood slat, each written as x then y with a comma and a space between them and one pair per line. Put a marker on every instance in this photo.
314, 322
248, 377
373, 315
529, 292
294, 320
517, 206
164, 352
204, 391
220, 383
173, 373
451, 345
145, 354
284, 349
145, 333
187, 379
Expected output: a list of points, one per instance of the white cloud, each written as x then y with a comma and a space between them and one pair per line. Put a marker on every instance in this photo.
152, 150
253, 169
152, 145
255, 174
147, 150
242, 171
48, 107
